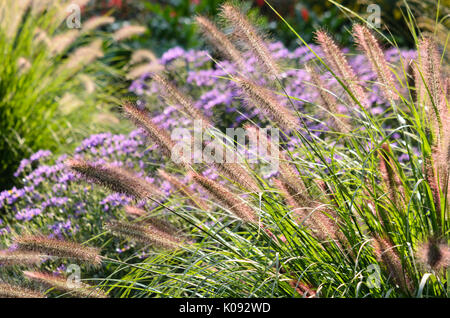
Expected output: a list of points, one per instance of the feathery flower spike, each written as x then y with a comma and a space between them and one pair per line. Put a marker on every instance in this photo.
63, 284
12, 291
144, 233
195, 199
248, 34
115, 178
58, 248
266, 100
338, 64
183, 100
434, 255
220, 41
228, 199
141, 118
369, 44
12, 258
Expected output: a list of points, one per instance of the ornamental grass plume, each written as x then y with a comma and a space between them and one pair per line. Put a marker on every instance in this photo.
128, 31
61, 42
183, 188
432, 179
387, 254
246, 33
369, 44
237, 206
302, 289
264, 99
220, 41
19, 258
237, 174
115, 178
84, 55
13, 291
145, 68
310, 215
434, 255
339, 65
158, 223
96, 22
430, 80
144, 233
142, 55
66, 285
141, 118
329, 102
389, 174
288, 174
58, 248
181, 99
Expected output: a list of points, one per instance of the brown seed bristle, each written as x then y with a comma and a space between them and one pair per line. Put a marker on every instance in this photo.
434, 255
387, 254
338, 64
181, 99
266, 100
220, 41
144, 233
195, 199
158, 223
241, 209
115, 178
13, 291
247, 33
77, 289
128, 31
18, 258
369, 44
390, 176
329, 102
238, 174
303, 289
141, 118
58, 248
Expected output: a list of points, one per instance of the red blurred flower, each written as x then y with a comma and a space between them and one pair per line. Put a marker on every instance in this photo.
115, 3
305, 14
195, 1
260, 3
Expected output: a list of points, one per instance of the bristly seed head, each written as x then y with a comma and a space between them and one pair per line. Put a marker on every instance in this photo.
433, 255
369, 44
241, 209
77, 289
141, 118
145, 233
247, 33
18, 258
339, 65
220, 41
266, 100
115, 178
181, 99
58, 248
12, 291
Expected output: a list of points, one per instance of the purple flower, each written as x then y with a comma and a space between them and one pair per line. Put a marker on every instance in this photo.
27, 214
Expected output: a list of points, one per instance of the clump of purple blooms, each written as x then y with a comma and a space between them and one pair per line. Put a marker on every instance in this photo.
52, 198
